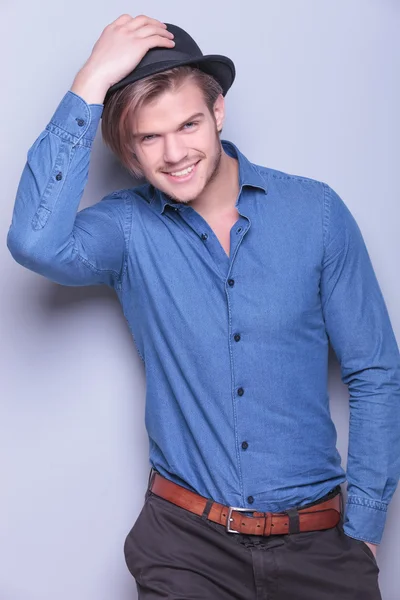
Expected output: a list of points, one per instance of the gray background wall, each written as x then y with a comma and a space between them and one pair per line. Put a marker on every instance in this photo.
316, 94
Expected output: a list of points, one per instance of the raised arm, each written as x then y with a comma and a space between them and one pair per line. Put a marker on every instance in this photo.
47, 235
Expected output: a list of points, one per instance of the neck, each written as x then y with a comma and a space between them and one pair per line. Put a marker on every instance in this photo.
221, 193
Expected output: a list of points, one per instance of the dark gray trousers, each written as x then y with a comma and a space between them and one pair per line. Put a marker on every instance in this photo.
175, 554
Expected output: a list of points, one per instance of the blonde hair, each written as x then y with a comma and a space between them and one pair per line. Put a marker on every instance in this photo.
116, 125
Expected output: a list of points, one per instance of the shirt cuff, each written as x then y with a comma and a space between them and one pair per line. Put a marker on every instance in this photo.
75, 120
365, 519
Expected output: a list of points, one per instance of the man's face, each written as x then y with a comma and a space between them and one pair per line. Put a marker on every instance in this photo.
177, 141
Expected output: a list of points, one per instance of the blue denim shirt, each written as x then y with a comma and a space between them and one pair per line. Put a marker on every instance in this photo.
235, 348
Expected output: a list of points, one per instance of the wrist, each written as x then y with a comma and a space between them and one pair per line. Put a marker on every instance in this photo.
89, 87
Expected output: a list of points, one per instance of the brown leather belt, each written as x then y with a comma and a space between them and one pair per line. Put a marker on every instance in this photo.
323, 515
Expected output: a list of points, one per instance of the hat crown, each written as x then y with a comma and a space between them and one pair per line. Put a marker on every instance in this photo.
183, 41
185, 48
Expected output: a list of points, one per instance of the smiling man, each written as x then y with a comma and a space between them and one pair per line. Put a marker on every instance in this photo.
183, 148
233, 278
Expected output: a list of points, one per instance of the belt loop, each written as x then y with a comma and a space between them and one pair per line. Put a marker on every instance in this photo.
207, 509
294, 521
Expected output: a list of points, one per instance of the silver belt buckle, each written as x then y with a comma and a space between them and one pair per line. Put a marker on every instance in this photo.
228, 522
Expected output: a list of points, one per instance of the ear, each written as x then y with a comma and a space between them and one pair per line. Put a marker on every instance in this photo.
219, 112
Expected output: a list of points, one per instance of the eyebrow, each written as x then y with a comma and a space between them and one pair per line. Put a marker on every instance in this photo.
198, 115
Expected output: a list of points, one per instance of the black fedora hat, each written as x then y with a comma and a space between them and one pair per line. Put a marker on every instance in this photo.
184, 52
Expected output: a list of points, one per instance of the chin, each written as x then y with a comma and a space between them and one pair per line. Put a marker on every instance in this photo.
184, 198
185, 195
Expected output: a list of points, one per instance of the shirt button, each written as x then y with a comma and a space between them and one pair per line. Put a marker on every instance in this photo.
59, 176
245, 445
250, 499
239, 230
204, 236
236, 337
240, 391
80, 122
231, 282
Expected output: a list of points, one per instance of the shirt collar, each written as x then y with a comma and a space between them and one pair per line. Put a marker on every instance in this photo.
248, 176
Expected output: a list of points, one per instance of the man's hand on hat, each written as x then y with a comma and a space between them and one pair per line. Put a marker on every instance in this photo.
119, 49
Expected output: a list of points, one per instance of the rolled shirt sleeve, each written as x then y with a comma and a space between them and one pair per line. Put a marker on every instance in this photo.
360, 332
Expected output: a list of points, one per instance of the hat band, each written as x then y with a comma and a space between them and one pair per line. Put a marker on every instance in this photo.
161, 55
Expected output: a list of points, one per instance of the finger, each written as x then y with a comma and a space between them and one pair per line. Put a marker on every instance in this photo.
149, 30
122, 19
158, 40
143, 20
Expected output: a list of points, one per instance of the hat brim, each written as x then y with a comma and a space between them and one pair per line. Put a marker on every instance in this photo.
220, 67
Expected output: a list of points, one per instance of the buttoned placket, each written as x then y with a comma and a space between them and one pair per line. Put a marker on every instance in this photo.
225, 265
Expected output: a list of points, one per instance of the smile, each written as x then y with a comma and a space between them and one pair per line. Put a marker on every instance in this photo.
184, 174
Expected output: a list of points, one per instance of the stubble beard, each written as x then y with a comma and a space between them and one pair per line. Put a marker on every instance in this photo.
213, 175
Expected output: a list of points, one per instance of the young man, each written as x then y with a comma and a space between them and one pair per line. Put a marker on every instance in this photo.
233, 278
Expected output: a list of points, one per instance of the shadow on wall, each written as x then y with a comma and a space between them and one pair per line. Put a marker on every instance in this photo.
56, 297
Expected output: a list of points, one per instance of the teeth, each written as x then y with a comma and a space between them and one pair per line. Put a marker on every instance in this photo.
184, 172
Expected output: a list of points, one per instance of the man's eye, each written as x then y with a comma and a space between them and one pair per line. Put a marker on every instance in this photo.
190, 124
146, 138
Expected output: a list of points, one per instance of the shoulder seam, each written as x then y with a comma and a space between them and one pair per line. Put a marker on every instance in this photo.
266, 171
297, 178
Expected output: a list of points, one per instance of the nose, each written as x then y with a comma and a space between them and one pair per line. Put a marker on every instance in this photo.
175, 150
